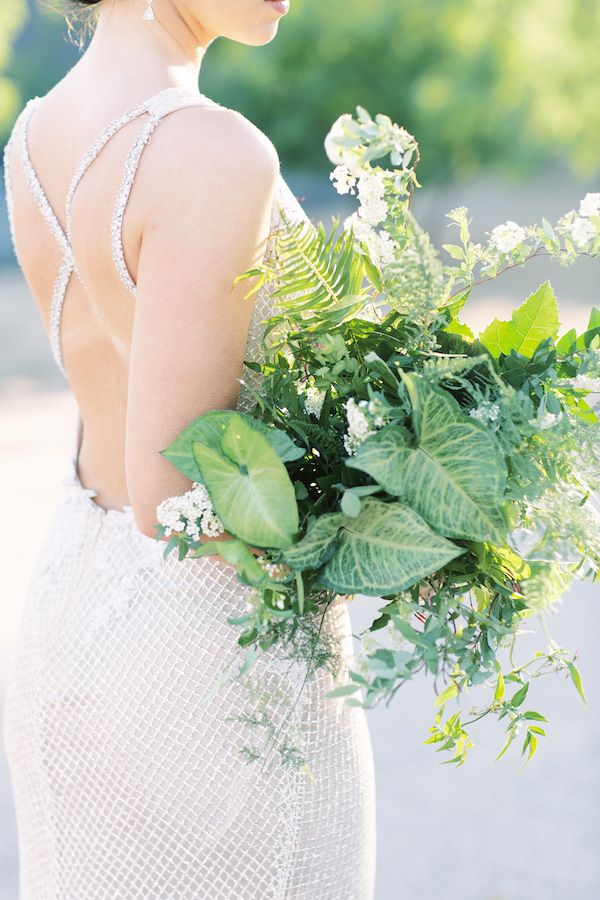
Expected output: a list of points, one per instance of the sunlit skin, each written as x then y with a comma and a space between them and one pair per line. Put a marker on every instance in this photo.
125, 48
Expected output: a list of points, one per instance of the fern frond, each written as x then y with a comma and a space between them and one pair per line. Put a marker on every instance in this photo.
316, 271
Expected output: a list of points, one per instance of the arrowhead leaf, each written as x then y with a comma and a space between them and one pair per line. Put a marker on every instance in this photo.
453, 475
532, 322
385, 549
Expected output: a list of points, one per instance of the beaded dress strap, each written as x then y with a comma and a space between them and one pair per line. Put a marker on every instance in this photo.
155, 106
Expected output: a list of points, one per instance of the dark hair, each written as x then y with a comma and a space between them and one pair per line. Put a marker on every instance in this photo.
86, 2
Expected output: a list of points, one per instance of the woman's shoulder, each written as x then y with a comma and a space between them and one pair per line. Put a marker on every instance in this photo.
206, 130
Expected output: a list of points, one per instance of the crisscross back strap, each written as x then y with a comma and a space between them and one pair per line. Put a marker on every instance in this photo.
154, 108
159, 107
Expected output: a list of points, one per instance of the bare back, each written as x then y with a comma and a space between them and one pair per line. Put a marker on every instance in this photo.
78, 184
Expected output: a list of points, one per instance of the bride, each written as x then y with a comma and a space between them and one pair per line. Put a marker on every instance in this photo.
134, 201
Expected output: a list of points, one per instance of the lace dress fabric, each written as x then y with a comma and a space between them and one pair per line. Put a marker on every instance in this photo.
123, 732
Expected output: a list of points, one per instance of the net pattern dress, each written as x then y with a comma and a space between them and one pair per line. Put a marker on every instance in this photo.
122, 732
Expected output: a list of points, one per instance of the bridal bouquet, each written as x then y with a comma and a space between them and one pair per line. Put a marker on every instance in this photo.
393, 453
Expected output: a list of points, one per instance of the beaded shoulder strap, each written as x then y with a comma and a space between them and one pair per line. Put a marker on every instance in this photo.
155, 107
159, 107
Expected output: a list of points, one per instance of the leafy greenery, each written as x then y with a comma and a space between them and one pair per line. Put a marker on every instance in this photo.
393, 453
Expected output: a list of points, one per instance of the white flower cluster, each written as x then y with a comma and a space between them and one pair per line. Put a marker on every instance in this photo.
582, 232
487, 412
191, 513
363, 420
590, 205
579, 227
336, 144
343, 180
371, 192
276, 571
313, 401
584, 382
403, 140
508, 236
380, 245
546, 420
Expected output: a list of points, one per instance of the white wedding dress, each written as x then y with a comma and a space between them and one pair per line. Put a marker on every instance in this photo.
124, 751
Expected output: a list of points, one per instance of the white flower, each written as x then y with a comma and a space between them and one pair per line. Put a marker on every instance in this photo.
582, 231
590, 205
191, 512
402, 139
507, 237
369, 644
313, 401
584, 382
486, 412
382, 248
380, 245
547, 420
343, 180
362, 230
371, 191
359, 426
335, 141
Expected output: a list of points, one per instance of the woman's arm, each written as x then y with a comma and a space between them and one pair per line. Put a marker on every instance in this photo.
205, 220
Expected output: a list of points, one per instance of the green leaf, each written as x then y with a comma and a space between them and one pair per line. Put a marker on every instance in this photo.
534, 321
456, 327
594, 320
576, 678
518, 697
343, 690
385, 549
447, 694
499, 692
209, 428
317, 545
530, 714
453, 476
236, 554
350, 504
250, 488
566, 341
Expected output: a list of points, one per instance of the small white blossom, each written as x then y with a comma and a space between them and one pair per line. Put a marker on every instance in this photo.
487, 412
276, 571
547, 420
590, 205
343, 180
582, 232
313, 401
584, 382
191, 512
359, 424
402, 139
507, 237
380, 245
359, 427
371, 191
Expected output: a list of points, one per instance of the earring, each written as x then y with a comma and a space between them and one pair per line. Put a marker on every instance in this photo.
149, 12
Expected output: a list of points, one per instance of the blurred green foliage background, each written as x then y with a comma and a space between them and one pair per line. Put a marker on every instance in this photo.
481, 83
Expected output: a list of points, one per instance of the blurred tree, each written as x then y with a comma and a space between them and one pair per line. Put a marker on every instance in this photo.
501, 83
13, 15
